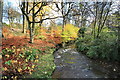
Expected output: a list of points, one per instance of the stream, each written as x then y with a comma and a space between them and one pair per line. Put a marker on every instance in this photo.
72, 64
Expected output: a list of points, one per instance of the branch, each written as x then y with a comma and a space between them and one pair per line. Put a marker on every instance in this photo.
34, 6
47, 19
106, 16
23, 11
43, 4
70, 7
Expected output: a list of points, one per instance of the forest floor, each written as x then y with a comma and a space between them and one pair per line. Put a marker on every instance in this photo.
44, 66
19, 39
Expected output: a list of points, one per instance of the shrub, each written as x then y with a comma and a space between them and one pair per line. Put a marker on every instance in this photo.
17, 62
104, 47
70, 32
83, 44
81, 32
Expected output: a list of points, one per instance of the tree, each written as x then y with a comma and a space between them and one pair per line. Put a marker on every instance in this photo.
1, 10
23, 17
64, 8
99, 12
1, 15
28, 10
35, 13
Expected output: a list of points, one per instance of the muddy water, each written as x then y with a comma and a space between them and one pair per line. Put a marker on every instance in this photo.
72, 64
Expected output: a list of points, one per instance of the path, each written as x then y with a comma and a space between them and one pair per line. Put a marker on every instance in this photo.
71, 64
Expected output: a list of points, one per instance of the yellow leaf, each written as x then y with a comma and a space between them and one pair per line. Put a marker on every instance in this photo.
19, 69
15, 77
22, 56
33, 66
22, 49
18, 49
36, 60
19, 62
26, 60
28, 67
5, 69
12, 77
14, 61
37, 56
13, 47
30, 72
7, 55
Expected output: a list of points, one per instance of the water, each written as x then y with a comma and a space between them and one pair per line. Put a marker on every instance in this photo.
72, 64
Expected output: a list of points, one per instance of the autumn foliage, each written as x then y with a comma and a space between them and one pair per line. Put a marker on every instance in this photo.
20, 56
16, 62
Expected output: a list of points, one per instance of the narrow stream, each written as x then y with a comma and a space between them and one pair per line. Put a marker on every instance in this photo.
72, 64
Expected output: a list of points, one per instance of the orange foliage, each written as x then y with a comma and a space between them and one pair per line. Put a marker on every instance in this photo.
27, 31
21, 42
6, 33
18, 42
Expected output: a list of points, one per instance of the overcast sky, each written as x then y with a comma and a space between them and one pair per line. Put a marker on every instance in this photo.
15, 4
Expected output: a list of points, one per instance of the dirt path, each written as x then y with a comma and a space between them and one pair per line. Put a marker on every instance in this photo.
71, 64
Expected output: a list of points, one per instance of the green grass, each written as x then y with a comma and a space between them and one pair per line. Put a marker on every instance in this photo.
45, 67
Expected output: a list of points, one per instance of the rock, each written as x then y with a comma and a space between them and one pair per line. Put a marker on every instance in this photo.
58, 56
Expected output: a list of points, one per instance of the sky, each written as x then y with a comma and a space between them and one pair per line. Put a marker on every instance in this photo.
15, 4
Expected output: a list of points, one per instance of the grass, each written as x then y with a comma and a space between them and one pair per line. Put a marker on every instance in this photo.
45, 67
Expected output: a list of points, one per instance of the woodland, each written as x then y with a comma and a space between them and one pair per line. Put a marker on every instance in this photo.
32, 31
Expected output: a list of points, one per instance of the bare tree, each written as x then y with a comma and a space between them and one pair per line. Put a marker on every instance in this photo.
1, 10
99, 12
1, 15
31, 10
64, 8
23, 31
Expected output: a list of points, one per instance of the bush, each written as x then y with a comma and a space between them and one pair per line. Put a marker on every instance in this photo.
83, 44
17, 62
104, 47
69, 33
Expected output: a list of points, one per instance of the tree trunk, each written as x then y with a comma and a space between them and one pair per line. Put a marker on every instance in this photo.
30, 32
1, 15
31, 36
1, 9
63, 17
23, 17
96, 15
63, 24
23, 24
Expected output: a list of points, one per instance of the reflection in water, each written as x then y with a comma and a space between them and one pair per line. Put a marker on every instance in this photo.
71, 64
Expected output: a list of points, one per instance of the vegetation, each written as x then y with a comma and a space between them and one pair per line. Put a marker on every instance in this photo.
104, 47
69, 33
31, 31
100, 40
